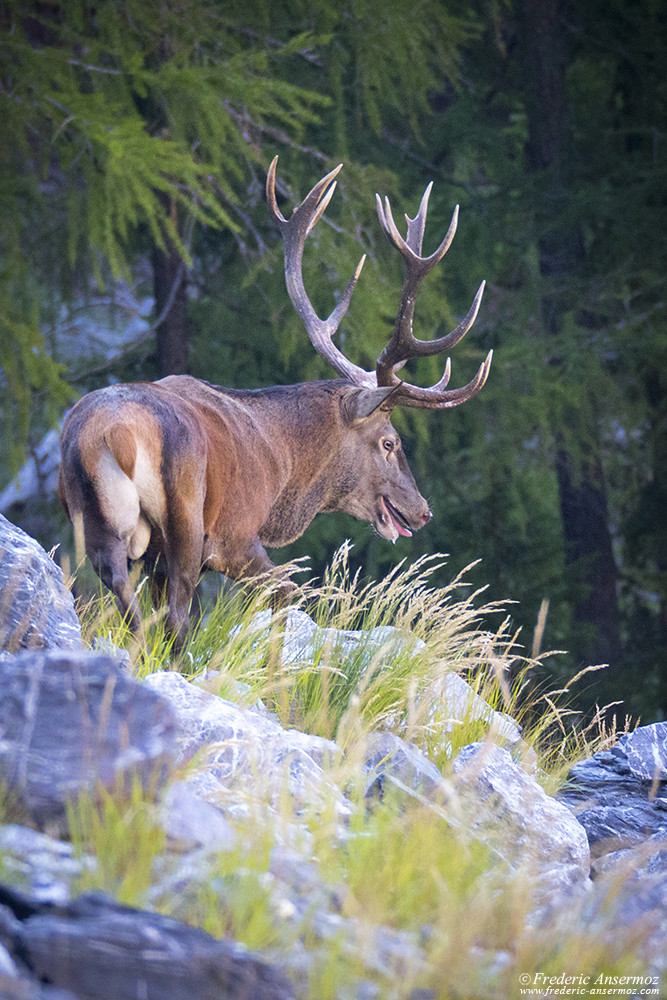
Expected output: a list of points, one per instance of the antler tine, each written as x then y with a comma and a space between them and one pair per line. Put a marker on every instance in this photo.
412, 246
437, 397
295, 231
404, 345
313, 205
416, 226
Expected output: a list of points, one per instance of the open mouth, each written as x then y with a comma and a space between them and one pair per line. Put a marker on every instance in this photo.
392, 521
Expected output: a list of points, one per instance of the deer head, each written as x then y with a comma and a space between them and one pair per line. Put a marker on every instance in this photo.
398, 507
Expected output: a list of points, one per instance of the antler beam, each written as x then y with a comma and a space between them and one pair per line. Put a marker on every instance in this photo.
295, 231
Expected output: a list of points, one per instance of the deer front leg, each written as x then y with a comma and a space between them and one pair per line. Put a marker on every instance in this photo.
255, 563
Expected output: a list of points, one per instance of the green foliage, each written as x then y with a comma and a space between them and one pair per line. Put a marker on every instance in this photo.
407, 633
146, 131
440, 872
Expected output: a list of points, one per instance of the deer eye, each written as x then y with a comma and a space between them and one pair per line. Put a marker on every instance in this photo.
388, 444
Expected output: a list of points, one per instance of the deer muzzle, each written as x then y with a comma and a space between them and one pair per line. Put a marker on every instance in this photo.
391, 521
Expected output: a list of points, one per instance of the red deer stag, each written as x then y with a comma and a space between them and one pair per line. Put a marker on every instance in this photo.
193, 476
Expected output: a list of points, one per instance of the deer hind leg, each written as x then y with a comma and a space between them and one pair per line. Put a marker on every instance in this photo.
184, 542
155, 567
108, 554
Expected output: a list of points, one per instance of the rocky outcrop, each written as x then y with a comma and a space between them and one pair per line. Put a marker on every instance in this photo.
236, 764
99, 950
391, 763
510, 812
304, 638
620, 795
69, 720
36, 608
244, 756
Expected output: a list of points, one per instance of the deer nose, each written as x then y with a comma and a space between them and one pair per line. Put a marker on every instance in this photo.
425, 518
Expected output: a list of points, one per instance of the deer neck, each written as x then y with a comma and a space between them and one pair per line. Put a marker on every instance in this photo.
306, 428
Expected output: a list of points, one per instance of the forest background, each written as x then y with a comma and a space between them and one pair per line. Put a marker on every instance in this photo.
136, 135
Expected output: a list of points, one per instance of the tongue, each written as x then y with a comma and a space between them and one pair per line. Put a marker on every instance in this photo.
399, 527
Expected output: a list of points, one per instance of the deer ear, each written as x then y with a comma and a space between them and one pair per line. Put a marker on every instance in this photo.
358, 404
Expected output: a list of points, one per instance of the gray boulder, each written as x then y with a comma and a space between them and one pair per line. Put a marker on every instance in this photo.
620, 795
191, 823
36, 608
100, 950
244, 756
304, 640
629, 900
507, 809
391, 763
38, 477
454, 701
16, 987
71, 719
39, 865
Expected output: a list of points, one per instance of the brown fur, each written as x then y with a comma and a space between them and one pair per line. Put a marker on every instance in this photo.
196, 477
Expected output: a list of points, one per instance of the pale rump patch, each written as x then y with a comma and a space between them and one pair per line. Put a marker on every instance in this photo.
130, 506
149, 485
117, 495
123, 461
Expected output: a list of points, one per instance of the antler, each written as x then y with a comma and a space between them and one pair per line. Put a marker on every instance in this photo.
295, 231
403, 345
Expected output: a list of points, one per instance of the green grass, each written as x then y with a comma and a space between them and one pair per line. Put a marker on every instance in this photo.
122, 832
401, 865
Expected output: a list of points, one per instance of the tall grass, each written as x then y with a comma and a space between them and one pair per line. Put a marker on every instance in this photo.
409, 635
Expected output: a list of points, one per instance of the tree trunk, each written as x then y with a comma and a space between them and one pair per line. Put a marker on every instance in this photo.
587, 538
589, 555
170, 299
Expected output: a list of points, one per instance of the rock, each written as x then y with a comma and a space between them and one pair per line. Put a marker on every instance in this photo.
190, 822
506, 808
103, 644
245, 755
630, 902
40, 865
31, 498
392, 953
20, 988
36, 608
620, 795
8, 968
304, 639
101, 950
645, 751
391, 762
38, 477
71, 719
647, 858
454, 701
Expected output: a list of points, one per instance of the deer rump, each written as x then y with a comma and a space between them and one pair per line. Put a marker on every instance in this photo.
152, 471
192, 476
